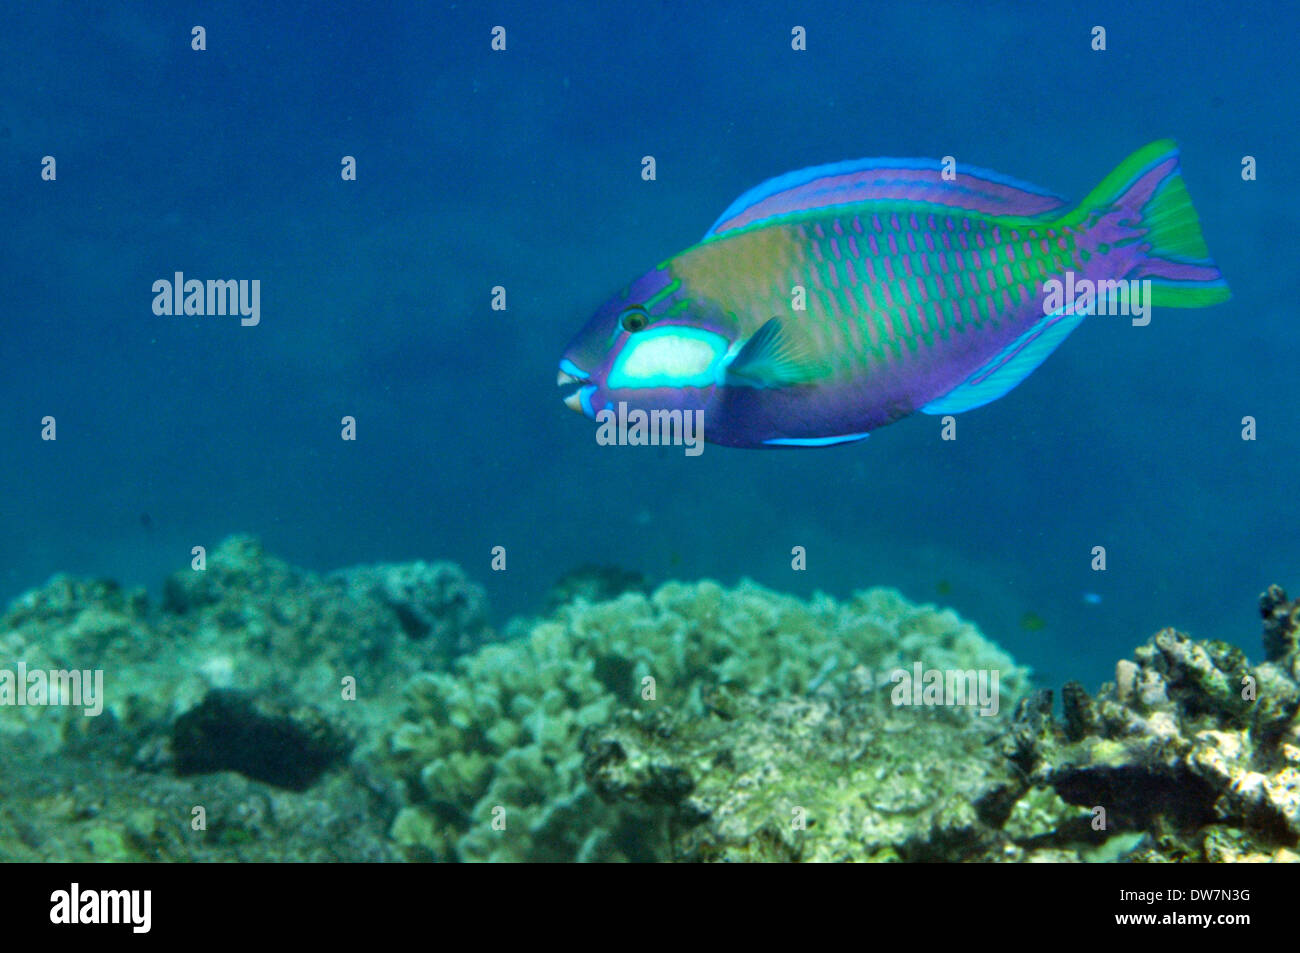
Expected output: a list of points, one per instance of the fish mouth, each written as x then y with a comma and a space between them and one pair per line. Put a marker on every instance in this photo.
578, 395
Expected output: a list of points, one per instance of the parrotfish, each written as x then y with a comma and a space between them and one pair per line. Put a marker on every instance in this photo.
829, 302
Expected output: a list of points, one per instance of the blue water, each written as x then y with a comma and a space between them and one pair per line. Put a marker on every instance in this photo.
522, 169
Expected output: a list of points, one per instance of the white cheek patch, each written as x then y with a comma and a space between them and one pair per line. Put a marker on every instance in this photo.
668, 357
673, 356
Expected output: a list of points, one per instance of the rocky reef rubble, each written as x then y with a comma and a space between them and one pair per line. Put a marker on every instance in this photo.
807, 779
1191, 746
246, 667
1191, 754
89, 803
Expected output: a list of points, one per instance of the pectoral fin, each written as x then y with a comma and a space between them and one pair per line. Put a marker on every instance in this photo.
770, 359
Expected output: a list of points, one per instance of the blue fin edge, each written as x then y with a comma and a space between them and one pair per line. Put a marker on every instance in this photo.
814, 441
790, 180
1009, 366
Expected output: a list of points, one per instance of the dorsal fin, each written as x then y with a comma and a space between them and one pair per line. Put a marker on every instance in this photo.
867, 180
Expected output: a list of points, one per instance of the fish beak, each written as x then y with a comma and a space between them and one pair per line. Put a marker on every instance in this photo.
573, 399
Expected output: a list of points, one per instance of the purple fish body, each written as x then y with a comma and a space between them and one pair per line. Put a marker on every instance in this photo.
830, 302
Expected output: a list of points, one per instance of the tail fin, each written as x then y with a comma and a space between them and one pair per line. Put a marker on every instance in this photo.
1150, 184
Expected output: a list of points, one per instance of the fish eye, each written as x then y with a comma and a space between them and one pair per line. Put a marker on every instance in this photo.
634, 319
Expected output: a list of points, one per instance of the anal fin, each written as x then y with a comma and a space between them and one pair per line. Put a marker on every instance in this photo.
1009, 366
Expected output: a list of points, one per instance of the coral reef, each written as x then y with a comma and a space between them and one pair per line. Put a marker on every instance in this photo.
436, 602
246, 621
594, 583
822, 779
260, 712
247, 665
499, 738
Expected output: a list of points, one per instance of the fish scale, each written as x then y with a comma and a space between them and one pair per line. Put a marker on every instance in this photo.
838, 324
